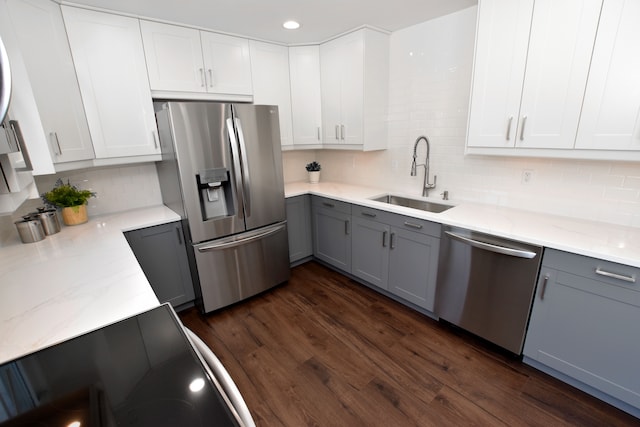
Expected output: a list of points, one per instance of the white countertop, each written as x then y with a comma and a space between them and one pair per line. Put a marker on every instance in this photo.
595, 239
77, 280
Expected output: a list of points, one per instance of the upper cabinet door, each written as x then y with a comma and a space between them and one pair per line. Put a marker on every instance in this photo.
227, 64
270, 71
45, 51
331, 77
174, 57
560, 48
304, 71
501, 54
109, 60
611, 111
352, 87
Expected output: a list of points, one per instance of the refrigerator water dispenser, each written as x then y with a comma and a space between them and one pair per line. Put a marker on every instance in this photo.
215, 193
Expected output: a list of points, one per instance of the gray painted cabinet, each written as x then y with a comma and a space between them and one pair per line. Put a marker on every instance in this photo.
396, 253
332, 232
584, 326
161, 252
299, 227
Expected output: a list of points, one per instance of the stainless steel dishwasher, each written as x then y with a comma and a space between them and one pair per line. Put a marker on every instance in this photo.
486, 285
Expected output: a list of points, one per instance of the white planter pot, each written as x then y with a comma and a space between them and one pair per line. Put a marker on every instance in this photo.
314, 177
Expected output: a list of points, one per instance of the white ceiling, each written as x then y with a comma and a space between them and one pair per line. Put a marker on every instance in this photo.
262, 19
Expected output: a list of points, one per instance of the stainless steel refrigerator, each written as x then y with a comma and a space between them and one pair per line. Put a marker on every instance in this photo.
222, 172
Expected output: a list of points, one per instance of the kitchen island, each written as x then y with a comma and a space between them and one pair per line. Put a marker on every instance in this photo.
77, 280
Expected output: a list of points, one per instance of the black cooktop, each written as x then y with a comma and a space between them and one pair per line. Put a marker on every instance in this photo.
141, 371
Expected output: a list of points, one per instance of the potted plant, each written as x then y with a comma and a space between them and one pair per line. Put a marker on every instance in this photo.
71, 199
314, 172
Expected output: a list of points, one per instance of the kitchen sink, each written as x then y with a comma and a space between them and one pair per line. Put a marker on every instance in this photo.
423, 205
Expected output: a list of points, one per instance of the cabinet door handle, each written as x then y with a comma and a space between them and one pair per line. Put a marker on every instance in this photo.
179, 235
391, 241
369, 214
319, 133
544, 286
384, 239
210, 77
201, 77
154, 134
630, 279
329, 205
412, 225
509, 128
338, 132
342, 132
54, 138
524, 121
346, 227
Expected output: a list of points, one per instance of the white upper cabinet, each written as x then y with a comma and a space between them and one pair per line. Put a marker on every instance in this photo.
530, 73
611, 112
270, 71
354, 72
181, 59
109, 60
306, 104
45, 50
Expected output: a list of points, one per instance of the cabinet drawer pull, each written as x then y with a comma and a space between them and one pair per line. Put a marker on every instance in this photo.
384, 239
391, 241
412, 225
369, 214
509, 128
178, 234
630, 279
544, 286
329, 205
524, 121
346, 227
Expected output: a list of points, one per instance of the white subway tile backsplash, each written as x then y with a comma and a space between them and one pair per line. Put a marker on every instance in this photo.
429, 87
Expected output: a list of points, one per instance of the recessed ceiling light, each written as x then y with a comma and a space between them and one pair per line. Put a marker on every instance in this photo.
291, 25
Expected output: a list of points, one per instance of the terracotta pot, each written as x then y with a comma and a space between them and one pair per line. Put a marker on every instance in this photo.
75, 215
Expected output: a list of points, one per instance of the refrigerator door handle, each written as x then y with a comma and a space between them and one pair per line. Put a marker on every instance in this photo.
246, 179
238, 241
236, 164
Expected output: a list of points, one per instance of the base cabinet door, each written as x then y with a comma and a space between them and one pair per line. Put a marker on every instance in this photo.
584, 324
161, 252
299, 227
413, 266
332, 233
370, 251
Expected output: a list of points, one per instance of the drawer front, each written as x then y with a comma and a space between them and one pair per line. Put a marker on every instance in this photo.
371, 214
328, 203
622, 278
414, 224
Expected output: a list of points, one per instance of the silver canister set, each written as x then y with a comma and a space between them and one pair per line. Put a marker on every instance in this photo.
35, 226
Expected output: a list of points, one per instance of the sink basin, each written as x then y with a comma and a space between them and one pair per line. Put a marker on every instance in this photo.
423, 205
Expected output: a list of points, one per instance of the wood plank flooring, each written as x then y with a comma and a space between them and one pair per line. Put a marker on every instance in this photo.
323, 350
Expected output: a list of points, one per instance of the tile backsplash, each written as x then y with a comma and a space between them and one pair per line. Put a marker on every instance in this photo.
430, 78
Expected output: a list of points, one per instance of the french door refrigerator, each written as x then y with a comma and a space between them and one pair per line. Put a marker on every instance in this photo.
221, 170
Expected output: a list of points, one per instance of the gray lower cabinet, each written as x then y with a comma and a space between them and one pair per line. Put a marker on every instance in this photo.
331, 221
396, 253
161, 252
299, 227
584, 326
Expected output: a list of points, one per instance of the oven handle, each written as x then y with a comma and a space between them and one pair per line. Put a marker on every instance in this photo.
493, 248
224, 378
235, 241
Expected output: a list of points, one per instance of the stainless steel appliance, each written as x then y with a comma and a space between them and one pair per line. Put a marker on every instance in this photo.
486, 285
222, 172
146, 370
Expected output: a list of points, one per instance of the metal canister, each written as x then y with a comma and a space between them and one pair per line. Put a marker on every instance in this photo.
49, 220
30, 230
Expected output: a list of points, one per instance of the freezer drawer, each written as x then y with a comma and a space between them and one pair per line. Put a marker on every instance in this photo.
240, 266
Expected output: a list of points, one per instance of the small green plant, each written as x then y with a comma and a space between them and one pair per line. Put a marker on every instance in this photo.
313, 167
66, 195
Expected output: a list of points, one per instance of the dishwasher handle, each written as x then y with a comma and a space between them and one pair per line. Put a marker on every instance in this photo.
519, 253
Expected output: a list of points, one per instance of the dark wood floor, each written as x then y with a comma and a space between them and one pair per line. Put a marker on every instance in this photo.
324, 350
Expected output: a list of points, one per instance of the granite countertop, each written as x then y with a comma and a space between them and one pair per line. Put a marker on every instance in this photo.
77, 280
595, 239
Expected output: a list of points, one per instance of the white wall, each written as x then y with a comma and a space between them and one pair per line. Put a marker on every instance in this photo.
430, 77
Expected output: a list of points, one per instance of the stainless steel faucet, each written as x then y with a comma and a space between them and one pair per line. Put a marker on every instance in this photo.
426, 185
